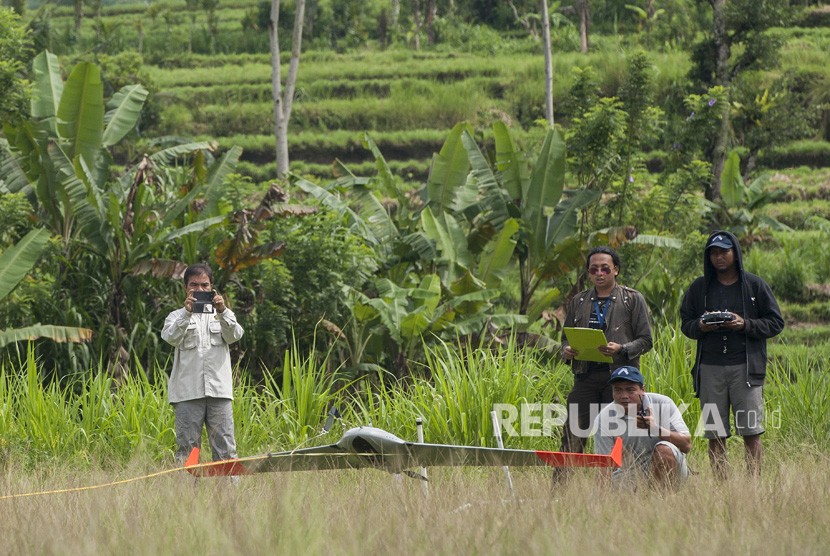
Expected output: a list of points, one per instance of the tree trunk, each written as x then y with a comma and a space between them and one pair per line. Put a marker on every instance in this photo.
416, 20
584, 22
139, 27
79, 17
283, 99
723, 78
432, 12
396, 15
526, 22
548, 63
99, 22
310, 16
721, 39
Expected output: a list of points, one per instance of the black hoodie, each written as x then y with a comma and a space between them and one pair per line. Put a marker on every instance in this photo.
761, 314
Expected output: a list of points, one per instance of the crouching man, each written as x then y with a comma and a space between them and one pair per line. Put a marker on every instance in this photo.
655, 437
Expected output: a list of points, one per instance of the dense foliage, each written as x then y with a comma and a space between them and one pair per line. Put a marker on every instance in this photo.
376, 249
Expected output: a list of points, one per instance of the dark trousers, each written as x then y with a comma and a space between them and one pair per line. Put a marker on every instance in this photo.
590, 389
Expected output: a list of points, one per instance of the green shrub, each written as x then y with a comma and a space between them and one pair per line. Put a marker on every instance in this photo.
175, 120
797, 214
814, 311
815, 154
287, 298
787, 271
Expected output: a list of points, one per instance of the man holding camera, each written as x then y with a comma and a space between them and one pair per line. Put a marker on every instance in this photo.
655, 437
731, 313
200, 387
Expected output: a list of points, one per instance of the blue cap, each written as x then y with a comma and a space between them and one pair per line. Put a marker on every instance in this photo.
720, 240
631, 374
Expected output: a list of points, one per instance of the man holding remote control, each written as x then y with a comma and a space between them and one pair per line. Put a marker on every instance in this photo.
201, 387
731, 313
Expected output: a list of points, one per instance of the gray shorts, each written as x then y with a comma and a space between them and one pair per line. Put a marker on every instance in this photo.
216, 414
640, 471
682, 465
722, 386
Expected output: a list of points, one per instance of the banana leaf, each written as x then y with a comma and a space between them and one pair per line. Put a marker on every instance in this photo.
18, 260
81, 112
55, 333
124, 110
47, 87
449, 169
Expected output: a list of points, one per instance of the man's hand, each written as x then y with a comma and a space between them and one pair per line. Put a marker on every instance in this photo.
569, 353
736, 324
707, 327
645, 420
188, 302
612, 348
218, 302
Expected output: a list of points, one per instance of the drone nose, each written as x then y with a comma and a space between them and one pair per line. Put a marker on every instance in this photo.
362, 445
365, 448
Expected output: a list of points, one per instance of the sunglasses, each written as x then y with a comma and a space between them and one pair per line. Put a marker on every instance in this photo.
594, 270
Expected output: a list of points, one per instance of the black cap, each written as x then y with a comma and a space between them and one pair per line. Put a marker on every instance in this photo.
720, 240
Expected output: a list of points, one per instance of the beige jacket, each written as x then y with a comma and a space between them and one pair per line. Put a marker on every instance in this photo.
202, 361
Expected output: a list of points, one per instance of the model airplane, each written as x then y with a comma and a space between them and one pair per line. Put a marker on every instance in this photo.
363, 447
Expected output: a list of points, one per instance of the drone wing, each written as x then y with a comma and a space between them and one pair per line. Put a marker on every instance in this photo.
434, 455
307, 459
396, 457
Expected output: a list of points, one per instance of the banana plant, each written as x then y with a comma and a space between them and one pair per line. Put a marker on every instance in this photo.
515, 211
406, 317
15, 264
244, 248
124, 224
428, 283
646, 17
739, 206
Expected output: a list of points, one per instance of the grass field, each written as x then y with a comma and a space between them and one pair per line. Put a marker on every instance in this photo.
467, 511
52, 441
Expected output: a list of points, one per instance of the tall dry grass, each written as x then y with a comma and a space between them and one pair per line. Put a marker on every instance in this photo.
466, 511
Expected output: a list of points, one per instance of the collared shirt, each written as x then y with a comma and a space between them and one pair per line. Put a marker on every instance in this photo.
202, 360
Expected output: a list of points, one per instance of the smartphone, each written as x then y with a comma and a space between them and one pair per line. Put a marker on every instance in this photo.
203, 302
646, 407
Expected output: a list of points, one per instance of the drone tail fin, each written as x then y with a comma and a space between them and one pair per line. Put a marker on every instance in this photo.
617, 452
568, 459
213, 469
192, 462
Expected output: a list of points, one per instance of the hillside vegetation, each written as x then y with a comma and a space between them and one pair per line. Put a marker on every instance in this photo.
382, 130
349, 82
